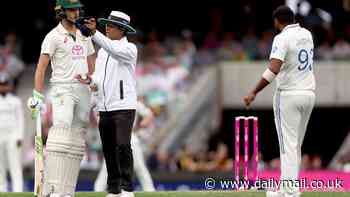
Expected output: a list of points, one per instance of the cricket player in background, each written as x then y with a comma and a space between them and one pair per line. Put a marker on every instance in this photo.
291, 63
140, 168
71, 54
11, 136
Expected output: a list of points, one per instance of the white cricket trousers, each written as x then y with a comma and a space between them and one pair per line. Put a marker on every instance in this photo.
10, 158
65, 144
70, 105
292, 110
140, 168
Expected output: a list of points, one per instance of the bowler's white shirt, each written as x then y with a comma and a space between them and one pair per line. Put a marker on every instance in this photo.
11, 118
68, 57
294, 46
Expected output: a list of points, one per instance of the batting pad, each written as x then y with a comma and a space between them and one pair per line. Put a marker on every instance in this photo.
65, 148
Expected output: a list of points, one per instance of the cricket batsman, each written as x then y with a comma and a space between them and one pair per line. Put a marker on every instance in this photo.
71, 54
11, 136
291, 64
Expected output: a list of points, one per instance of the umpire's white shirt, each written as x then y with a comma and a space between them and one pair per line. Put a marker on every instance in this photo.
115, 73
294, 46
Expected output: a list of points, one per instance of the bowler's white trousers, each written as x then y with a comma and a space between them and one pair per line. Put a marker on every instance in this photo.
10, 158
292, 110
140, 168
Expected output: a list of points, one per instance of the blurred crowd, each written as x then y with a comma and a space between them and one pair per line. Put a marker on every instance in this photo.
229, 46
188, 160
164, 70
11, 64
218, 160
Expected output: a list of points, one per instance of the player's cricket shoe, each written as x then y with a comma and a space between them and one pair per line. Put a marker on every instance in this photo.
274, 194
54, 195
58, 195
127, 194
114, 195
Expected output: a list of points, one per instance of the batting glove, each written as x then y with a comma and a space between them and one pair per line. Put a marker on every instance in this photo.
35, 102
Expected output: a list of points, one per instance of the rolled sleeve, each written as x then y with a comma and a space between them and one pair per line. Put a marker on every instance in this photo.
48, 46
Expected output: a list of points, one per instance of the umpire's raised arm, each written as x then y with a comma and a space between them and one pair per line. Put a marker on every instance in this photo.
122, 50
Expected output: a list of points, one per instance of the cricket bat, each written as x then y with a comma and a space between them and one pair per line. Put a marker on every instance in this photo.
39, 159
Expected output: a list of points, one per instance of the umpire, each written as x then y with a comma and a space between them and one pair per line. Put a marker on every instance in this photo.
114, 80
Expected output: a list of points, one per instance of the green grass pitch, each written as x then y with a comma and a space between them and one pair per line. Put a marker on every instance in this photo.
189, 194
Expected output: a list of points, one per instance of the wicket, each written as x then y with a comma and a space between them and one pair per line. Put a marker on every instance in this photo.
255, 158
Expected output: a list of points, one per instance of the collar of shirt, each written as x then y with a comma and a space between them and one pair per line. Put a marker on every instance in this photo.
6, 96
61, 29
291, 26
64, 31
123, 39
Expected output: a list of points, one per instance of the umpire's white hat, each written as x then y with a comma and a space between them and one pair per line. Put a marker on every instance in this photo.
120, 19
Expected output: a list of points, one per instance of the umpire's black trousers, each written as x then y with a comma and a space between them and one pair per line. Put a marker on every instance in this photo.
115, 131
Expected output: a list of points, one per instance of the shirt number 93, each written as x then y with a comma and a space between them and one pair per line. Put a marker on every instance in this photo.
305, 59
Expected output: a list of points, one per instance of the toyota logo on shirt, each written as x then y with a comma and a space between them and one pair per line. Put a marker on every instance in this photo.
77, 50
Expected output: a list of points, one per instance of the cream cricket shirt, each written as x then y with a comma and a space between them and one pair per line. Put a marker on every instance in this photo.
68, 56
294, 46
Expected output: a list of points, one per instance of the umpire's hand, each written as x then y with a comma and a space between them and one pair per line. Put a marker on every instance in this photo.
91, 24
